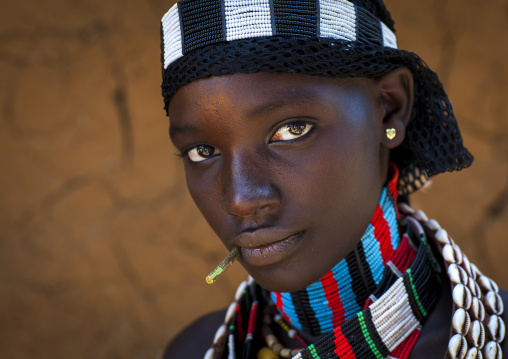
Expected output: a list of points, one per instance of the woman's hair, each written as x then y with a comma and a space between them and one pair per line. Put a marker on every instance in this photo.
331, 38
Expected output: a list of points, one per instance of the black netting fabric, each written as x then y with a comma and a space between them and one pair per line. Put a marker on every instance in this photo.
433, 142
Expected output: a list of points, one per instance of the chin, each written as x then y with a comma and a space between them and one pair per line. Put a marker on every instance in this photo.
277, 278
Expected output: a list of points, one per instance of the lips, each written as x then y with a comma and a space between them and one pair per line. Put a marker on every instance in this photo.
267, 246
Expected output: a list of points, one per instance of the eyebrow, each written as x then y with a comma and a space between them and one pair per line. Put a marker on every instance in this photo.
287, 98
175, 130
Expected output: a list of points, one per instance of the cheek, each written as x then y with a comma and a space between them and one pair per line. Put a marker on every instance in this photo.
338, 174
204, 190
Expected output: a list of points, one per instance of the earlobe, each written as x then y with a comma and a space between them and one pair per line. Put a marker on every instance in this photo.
396, 93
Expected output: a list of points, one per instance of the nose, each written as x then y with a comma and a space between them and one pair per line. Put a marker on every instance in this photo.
250, 191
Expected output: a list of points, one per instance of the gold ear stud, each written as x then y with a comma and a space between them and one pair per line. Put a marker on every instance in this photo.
391, 133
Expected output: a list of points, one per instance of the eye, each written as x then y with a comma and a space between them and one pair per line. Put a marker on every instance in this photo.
292, 130
202, 152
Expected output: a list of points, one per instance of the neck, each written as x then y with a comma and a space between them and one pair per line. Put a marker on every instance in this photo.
345, 289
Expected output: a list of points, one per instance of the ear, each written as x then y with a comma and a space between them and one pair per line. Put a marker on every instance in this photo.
396, 93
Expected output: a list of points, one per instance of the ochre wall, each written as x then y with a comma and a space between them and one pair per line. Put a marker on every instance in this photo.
102, 253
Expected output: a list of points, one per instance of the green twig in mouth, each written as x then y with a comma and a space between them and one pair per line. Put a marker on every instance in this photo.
225, 264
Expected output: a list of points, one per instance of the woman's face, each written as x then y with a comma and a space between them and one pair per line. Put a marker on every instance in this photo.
288, 167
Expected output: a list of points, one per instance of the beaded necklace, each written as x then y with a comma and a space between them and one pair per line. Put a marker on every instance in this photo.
390, 322
342, 292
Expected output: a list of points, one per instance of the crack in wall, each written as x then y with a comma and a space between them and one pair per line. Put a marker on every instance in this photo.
120, 100
32, 38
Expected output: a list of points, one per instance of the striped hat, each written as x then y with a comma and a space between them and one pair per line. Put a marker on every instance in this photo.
332, 38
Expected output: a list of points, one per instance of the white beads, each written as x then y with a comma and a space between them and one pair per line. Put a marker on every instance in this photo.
172, 37
247, 19
389, 38
337, 19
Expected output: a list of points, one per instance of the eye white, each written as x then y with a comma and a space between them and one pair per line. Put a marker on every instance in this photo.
201, 153
291, 131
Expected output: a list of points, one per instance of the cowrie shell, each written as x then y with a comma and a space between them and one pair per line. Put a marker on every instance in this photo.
239, 290
474, 287
448, 254
476, 335
405, 208
492, 350
493, 303
457, 274
497, 328
442, 236
462, 296
477, 310
461, 321
209, 354
219, 334
485, 283
433, 225
494, 286
458, 253
473, 353
421, 216
476, 271
466, 264
230, 312
457, 347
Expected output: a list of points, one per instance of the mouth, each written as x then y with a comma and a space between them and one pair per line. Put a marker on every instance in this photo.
272, 251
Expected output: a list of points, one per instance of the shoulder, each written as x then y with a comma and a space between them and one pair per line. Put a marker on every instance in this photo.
194, 341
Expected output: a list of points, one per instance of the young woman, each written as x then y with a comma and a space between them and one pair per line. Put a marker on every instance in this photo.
303, 130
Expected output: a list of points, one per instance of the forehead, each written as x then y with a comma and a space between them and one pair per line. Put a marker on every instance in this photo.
252, 97
249, 91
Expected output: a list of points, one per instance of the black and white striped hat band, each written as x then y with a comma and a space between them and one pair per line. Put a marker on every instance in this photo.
189, 25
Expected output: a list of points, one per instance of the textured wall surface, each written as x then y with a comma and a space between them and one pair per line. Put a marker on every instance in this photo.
102, 253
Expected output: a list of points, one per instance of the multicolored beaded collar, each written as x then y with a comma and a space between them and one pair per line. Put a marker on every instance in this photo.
388, 325
390, 321
342, 292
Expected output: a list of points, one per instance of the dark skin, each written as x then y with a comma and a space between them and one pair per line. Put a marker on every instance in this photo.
290, 168
284, 194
